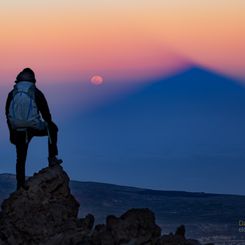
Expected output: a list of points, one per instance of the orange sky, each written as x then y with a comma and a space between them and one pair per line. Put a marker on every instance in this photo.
121, 37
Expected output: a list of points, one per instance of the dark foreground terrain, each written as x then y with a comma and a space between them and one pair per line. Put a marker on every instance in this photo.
207, 217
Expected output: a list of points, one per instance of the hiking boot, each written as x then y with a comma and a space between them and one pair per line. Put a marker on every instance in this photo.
52, 161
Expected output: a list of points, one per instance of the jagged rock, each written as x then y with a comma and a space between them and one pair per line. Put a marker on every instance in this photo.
180, 231
45, 213
136, 226
87, 223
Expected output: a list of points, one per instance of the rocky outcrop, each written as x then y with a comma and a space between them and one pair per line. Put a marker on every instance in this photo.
47, 214
136, 226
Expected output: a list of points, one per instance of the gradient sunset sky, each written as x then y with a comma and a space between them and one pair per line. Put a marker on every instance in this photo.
81, 38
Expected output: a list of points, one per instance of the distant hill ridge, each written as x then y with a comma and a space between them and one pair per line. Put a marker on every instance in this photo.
10, 179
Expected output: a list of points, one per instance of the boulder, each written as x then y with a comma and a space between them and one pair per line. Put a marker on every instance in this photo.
136, 226
45, 213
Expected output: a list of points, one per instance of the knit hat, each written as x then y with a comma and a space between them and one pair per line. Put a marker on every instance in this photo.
26, 75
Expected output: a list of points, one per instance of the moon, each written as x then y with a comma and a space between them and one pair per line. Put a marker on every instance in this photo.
97, 80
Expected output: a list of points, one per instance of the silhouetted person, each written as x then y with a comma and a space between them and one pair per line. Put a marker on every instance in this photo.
28, 115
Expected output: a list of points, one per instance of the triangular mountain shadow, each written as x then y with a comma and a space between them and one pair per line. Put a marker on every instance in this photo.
195, 84
194, 107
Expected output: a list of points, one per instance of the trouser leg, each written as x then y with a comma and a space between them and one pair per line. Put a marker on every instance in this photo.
52, 145
50, 130
21, 151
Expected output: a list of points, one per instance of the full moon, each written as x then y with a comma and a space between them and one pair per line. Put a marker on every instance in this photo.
96, 80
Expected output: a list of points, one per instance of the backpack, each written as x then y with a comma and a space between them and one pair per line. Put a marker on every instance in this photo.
23, 111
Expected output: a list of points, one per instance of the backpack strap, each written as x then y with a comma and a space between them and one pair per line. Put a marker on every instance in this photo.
30, 107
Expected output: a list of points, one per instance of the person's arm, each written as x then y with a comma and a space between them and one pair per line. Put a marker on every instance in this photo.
42, 106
